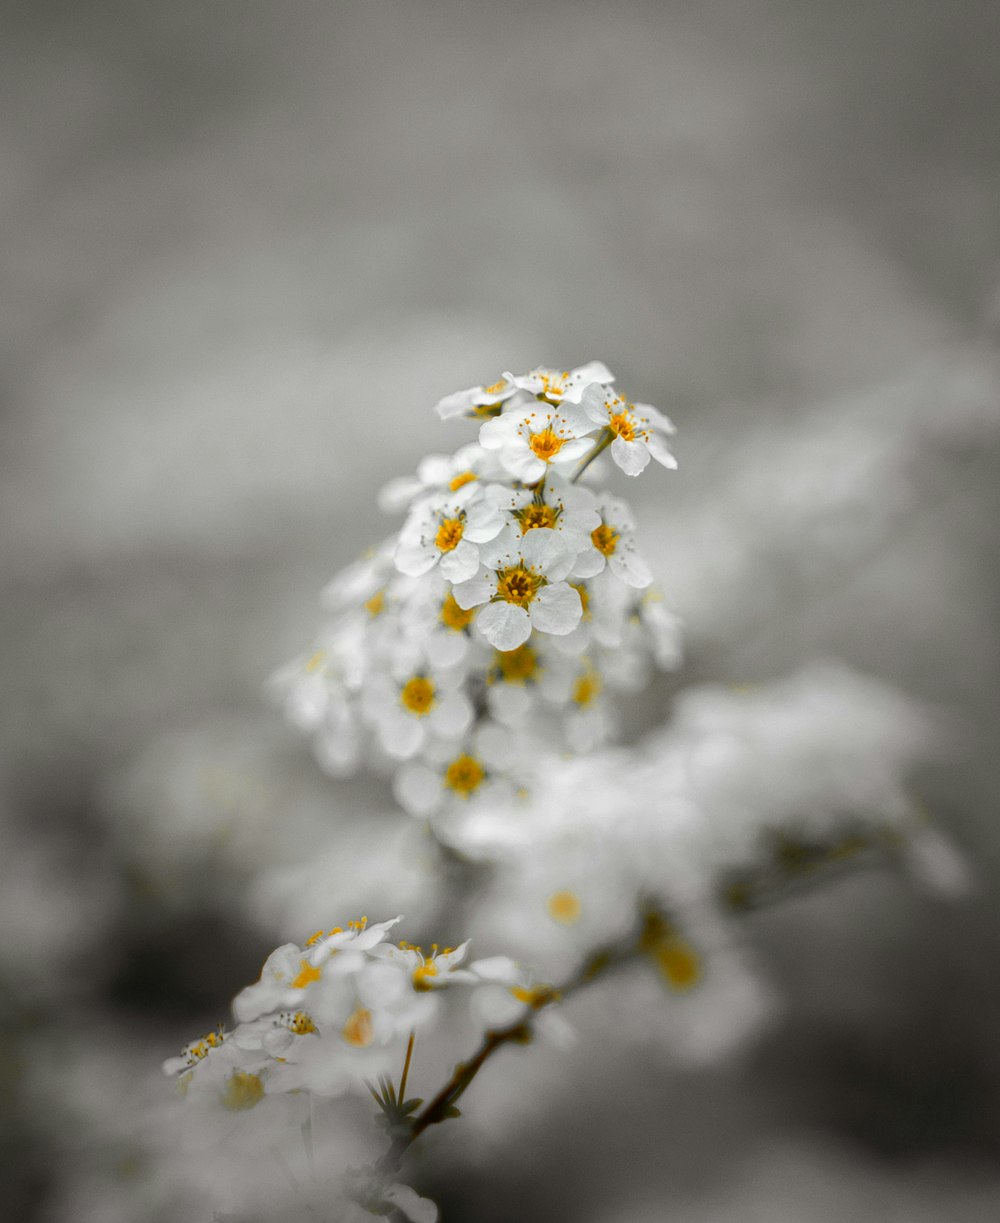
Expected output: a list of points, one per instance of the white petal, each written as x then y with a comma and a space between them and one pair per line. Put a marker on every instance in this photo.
508, 702
628, 565
474, 591
411, 1205
589, 563
461, 563
397, 494
522, 463
418, 789
631, 457
483, 521
573, 450
504, 625
655, 417
415, 559
556, 609
660, 451
548, 551
451, 716
592, 371
497, 431
402, 734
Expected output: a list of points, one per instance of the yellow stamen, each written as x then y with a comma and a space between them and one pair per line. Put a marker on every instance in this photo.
315, 662
586, 688
518, 585
564, 907
417, 695
376, 604
314, 938
536, 996
622, 424
449, 534
359, 1030
422, 975
459, 481
497, 388
581, 590
301, 1024
464, 775
243, 1091
453, 616
546, 444
517, 666
308, 973
534, 516
604, 539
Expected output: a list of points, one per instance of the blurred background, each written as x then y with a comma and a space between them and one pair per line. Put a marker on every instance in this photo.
245, 249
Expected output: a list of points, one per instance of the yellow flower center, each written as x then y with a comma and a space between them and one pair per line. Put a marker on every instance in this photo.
497, 388
552, 386
533, 516
453, 616
517, 666
581, 590
308, 973
301, 1024
314, 663
359, 1030
464, 775
417, 695
604, 539
449, 534
243, 1091
459, 481
564, 907
422, 975
376, 604
678, 963
518, 585
535, 996
200, 1048
623, 425
586, 688
546, 444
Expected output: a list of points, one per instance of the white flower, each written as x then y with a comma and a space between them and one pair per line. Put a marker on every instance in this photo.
479, 400
441, 473
408, 708
523, 588
566, 386
528, 439
478, 769
637, 429
448, 530
560, 505
612, 544
290, 970
432, 971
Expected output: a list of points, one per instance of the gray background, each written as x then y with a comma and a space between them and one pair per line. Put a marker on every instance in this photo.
247, 246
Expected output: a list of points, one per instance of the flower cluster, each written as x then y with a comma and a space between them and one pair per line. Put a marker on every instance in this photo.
512, 603
328, 1017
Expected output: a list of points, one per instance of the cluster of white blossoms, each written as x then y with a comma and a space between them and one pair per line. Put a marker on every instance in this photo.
330, 1016
494, 627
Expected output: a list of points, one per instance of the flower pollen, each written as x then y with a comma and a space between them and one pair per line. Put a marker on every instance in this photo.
307, 974
418, 695
518, 584
243, 1091
604, 539
460, 481
359, 1030
517, 666
564, 907
535, 515
454, 617
464, 775
449, 534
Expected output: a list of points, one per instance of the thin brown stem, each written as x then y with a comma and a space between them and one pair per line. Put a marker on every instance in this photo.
442, 1106
603, 442
406, 1067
